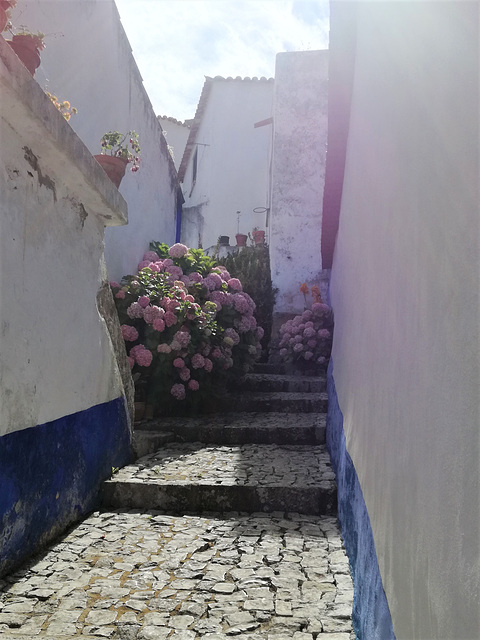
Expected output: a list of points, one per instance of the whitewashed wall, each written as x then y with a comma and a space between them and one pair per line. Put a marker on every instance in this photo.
88, 61
405, 293
63, 414
176, 134
298, 175
233, 163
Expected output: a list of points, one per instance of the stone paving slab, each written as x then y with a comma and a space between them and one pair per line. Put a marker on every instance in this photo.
248, 464
242, 427
195, 476
282, 382
142, 576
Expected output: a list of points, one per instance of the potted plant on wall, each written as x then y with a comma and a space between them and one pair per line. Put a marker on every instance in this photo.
64, 107
241, 239
118, 150
5, 7
27, 45
258, 236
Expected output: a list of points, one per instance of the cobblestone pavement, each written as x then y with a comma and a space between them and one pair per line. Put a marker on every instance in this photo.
149, 576
249, 464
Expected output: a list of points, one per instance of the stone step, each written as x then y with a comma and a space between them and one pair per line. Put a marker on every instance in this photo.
145, 442
282, 402
282, 382
238, 428
195, 478
268, 367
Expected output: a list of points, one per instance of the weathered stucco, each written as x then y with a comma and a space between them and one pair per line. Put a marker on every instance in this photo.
405, 295
63, 418
88, 61
298, 174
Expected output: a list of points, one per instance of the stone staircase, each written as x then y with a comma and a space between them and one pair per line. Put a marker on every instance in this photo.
264, 452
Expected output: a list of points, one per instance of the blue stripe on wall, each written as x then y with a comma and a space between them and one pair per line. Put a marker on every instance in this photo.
371, 614
50, 475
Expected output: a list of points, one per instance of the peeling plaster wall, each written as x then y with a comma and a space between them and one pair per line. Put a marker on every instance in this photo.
298, 175
63, 411
233, 169
88, 61
405, 294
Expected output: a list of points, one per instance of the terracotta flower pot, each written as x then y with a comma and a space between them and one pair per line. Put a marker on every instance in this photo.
3, 19
258, 237
27, 49
241, 239
113, 166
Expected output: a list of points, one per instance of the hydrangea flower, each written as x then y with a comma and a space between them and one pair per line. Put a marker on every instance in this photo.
135, 310
170, 319
193, 385
142, 355
163, 348
184, 374
198, 361
129, 333
182, 337
177, 250
213, 281
178, 391
120, 295
158, 324
233, 335
152, 313
178, 363
235, 284
151, 256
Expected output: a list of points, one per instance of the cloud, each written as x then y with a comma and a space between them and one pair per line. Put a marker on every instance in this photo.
178, 42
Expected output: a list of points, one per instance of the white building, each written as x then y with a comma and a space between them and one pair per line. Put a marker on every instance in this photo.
88, 61
226, 165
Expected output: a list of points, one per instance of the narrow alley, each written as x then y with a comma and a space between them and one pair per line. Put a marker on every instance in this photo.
225, 527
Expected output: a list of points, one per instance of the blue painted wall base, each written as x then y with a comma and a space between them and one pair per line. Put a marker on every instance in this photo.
371, 615
50, 476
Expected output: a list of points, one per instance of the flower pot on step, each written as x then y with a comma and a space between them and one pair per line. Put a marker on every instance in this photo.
28, 50
113, 166
258, 237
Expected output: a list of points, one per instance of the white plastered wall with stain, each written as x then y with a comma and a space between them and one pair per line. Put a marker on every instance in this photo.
233, 163
405, 294
88, 61
56, 356
298, 175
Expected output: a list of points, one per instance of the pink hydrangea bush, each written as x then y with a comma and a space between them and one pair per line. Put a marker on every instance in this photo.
188, 326
305, 341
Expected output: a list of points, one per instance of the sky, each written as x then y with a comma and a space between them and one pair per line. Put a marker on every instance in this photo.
176, 43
